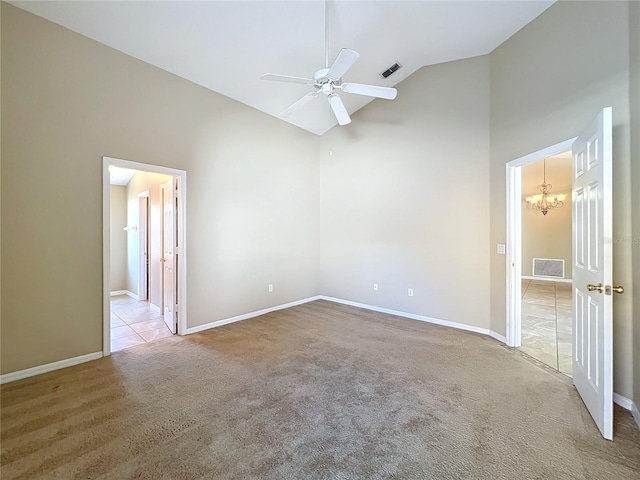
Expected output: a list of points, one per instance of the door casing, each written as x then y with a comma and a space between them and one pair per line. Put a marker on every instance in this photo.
514, 236
143, 245
106, 242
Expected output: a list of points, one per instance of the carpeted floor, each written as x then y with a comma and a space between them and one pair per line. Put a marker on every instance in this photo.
319, 391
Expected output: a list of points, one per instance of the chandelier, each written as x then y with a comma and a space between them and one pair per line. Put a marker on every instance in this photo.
545, 201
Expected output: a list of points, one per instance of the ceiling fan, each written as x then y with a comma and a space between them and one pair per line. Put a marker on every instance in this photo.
329, 79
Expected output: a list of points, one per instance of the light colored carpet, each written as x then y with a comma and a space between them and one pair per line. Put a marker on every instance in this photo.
319, 391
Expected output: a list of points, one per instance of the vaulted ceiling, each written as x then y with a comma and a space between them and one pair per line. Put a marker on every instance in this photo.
226, 46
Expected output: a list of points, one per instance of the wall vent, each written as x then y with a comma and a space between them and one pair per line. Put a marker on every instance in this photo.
548, 267
390, 70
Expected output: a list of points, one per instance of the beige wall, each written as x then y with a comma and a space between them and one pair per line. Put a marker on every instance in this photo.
634, 89
547, 236
252, 189
404, 198
403, 188
118, 241
548, 82
139, 183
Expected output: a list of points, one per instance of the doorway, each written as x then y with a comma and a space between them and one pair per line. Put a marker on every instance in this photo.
516, 285
134, 220
546, 308
592, 262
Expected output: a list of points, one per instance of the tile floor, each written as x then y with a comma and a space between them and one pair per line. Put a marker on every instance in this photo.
546, 323
134, 322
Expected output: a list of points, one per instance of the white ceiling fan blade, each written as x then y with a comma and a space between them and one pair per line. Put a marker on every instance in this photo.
370, 90
345, 59
300, 103
338, 109
274, 77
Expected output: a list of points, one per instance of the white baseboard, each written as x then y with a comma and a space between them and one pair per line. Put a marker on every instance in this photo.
125, 292
49, 367
547, 279
155, 308
226, 321
627, 404
446, 323
624, 402
498, 337
422, 318
635, 413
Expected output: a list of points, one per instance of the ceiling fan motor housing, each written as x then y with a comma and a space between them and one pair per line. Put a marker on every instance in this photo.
321, 75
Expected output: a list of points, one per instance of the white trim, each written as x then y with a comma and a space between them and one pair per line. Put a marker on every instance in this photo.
624, 402
106, 258
422, 318
547, 279
155, 308
413, 316
132, 295
106, 246
238, 318
540, 154
513, 263
49, 367
124, 292
635, 413
498, 337
627, 404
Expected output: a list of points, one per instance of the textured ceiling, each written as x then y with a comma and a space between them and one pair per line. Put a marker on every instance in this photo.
226, 45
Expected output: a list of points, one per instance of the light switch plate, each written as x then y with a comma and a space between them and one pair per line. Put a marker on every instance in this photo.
501, 249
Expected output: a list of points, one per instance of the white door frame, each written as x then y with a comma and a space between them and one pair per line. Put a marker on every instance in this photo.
514, 236
106, 242
143, 247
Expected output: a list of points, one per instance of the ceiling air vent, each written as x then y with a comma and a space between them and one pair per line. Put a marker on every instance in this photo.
390, 70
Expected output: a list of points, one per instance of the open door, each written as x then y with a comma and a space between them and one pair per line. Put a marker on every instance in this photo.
169, 252
143, 246
592, 270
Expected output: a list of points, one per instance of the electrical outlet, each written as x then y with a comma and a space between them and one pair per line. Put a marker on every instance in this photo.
375, 287
270, 288
410, 292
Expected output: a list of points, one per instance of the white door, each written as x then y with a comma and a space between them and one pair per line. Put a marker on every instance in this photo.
143, 246
169, 238
592, 270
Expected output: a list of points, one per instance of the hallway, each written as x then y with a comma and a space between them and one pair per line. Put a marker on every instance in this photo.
134, 322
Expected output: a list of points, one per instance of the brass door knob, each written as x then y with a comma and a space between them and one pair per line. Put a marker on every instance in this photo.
618, 289
591, 287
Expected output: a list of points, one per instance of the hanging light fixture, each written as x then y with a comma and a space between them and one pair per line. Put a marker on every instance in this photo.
545, 201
